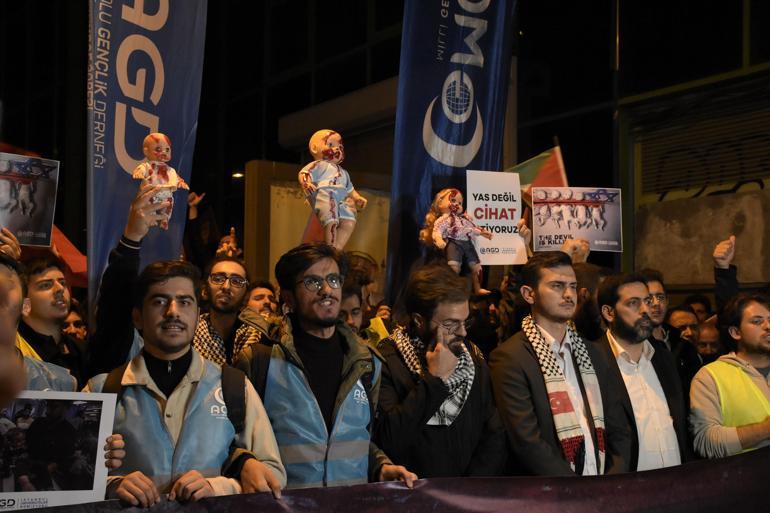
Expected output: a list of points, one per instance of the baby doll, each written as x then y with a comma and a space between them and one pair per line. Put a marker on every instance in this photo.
448, 228
328, 188
155, 171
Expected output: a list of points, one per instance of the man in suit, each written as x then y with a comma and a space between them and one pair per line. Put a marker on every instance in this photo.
644, 372
560, 416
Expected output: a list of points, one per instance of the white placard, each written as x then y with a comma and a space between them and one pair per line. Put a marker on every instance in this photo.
494, 203
54, 447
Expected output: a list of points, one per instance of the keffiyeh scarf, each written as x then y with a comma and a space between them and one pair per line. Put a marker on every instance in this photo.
459, 383
565, 420
211, 346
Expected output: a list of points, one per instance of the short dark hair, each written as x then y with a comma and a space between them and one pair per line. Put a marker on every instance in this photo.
732, 314
261, 284
608, 289
37, 266
431, 285
352, 289
680, 308
652, 275
162, 271
588, 276
530, 272
16, 267
224, 258
362, 267
297, 260
700, 299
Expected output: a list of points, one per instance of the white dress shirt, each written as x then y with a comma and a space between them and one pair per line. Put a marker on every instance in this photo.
562, 351
658, 446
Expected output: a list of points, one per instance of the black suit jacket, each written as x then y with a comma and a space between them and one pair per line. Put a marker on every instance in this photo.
666, 370
525, 410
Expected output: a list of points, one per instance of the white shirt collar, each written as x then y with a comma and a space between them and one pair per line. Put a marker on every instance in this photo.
647, 350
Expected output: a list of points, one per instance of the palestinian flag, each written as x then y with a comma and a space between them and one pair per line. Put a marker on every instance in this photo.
544, 170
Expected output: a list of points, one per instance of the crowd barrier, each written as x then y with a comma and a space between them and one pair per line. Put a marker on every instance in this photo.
738, 484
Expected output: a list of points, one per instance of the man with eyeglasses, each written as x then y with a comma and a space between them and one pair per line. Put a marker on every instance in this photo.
221, 334
319, 383
437, 415
645, 373
551, 387
686, 356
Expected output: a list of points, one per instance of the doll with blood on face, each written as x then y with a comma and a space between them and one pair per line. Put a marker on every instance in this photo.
328, 188
155, 171
449, 229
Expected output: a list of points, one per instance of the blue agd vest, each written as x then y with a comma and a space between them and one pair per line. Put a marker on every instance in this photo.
43, 376
204, 440
311, 455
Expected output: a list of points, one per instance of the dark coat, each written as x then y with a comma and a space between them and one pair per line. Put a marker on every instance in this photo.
666, 370
525, 410
473, 445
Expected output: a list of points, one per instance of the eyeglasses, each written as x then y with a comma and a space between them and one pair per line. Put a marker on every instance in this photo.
315, 283
452, 326
236, 281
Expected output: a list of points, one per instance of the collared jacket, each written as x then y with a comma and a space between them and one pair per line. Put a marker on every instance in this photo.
725, 395
522, 400
189, 430
666, 369
313, 456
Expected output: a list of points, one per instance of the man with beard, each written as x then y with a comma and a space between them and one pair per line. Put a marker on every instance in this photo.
41, 326
172, 404
221, 335
685, 354
645, 374
437, 415
550, 386
730, 398
319, 383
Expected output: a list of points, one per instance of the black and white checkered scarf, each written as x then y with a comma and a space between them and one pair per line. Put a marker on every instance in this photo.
460, 382
211, 346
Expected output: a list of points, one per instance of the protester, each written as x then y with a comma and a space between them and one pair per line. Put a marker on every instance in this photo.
437, 415
645, 373
168, 388
351, 308
730, 398
700, 304
221, 335
561, 416
261, 297
49, 304
684, 319
317, 374
709, 344
685, 355
74, 325
484, 321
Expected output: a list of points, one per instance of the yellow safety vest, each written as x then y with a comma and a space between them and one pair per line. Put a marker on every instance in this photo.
741, 400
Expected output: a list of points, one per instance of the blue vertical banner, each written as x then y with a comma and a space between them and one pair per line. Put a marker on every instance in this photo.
144, 75
452, 89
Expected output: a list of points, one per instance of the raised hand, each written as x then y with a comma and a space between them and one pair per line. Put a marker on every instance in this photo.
724, 252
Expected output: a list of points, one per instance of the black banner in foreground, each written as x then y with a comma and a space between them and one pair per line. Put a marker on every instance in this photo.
735, 484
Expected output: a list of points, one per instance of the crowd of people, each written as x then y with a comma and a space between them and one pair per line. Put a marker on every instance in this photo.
228, 384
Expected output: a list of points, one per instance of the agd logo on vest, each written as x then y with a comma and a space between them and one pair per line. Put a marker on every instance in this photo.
219, 411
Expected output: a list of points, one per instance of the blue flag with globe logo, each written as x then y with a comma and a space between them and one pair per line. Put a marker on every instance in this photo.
453, 78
